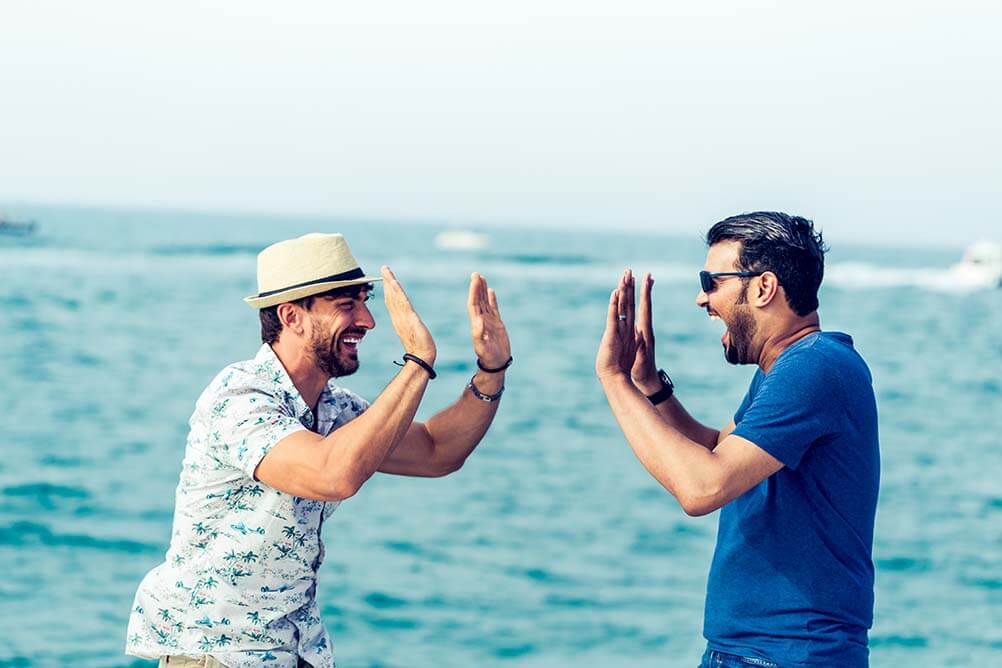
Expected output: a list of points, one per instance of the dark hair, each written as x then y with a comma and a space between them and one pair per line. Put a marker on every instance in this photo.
786, 245
271, 326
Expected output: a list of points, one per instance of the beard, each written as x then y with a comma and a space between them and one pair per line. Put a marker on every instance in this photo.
737, 348
329, 359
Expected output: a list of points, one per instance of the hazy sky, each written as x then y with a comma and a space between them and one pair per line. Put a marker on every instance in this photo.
880, 120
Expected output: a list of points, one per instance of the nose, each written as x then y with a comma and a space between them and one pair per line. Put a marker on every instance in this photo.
702, 299
363, 317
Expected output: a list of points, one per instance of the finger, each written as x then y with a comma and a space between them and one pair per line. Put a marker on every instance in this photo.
630, 301
393, 291
640, 356
644, 312
483, 299
471, 302
389, 277
621, 313
612, 317
492, 300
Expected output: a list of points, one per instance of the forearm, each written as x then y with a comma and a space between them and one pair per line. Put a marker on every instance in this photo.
674, 413
683, 465
455, 431
359, 447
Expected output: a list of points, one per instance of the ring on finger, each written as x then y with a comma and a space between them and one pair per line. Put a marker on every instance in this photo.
622, 317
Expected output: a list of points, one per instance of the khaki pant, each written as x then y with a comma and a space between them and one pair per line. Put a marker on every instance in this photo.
178, 661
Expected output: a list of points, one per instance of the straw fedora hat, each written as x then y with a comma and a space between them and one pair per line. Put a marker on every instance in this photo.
309, 265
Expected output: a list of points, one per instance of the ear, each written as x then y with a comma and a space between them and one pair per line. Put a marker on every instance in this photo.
764, 289
291, 317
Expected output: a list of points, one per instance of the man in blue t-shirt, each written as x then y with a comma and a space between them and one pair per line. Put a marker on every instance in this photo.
795, 473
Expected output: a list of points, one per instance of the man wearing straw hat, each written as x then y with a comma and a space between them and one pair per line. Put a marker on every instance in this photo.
275, 446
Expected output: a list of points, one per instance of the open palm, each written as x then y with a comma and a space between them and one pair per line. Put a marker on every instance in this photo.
490, 338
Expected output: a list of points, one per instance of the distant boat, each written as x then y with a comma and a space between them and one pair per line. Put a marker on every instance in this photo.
16, 227
461, 240
981, 265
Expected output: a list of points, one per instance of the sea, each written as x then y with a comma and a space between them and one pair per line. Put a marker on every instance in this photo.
552, 546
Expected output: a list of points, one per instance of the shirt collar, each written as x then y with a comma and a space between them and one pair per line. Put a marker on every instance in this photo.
274, 370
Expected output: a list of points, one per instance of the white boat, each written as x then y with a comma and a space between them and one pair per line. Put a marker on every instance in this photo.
461, 240
981, 265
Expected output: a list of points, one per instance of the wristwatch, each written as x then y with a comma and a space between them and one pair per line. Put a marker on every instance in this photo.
667, 389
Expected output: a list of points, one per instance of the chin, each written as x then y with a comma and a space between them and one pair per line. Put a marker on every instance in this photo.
347, 368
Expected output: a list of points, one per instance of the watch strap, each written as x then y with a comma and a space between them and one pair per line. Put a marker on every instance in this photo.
667, 389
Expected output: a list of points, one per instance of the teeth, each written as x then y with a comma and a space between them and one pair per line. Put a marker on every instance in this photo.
352, 341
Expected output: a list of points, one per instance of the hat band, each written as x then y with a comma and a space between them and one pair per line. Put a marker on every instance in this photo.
344, 276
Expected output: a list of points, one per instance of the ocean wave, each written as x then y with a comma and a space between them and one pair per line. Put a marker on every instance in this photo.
29, 533
213, 250
45, 490
543, 268
109, 262
864, 276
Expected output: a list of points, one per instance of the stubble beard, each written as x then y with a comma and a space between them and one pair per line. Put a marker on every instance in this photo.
740, 333
325, 353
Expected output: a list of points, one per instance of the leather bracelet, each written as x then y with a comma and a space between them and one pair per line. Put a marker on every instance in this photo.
480, 395
420, 362
501, 368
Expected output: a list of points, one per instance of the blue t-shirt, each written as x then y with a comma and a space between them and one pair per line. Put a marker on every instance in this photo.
792, 573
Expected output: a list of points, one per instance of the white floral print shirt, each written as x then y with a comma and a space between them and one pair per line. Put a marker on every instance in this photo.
239, 579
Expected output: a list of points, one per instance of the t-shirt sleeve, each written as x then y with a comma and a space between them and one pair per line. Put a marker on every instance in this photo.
795, 406
245, 423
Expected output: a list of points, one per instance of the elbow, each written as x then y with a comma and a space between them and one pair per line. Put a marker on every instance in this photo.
697, 508
700, 502
444, 468
342, 487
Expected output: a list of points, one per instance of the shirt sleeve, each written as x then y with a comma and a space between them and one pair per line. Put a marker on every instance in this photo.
794, 408
245, 423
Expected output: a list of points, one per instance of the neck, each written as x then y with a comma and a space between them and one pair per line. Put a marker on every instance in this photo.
308, 379
785, 337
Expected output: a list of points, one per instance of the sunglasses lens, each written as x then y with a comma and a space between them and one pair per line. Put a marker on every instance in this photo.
706, 281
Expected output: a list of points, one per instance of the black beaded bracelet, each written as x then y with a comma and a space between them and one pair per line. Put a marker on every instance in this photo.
484, 397
497, 370
420, 362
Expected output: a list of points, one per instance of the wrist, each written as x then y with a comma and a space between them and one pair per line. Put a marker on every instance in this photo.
614, 377
427, 356
489, 383
494, 367
664, 392
419, 362
648, 385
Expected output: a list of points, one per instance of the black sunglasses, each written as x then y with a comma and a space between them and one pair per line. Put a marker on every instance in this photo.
708, 279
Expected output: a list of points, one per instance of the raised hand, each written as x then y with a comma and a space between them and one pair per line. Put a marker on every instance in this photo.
490, 338
413, 334
644, 371
618, 349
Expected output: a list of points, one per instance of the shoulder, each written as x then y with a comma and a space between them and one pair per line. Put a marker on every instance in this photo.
821, 367
821, 353
829, 355
246, 381
810, 368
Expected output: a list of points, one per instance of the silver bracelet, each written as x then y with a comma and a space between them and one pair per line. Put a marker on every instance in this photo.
480, 395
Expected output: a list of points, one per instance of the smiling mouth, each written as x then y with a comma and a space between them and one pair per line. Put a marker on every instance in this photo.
351, 341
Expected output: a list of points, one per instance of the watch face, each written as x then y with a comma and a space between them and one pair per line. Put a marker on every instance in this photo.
665, 380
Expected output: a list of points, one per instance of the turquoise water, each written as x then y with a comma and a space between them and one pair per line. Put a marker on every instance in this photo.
552, 547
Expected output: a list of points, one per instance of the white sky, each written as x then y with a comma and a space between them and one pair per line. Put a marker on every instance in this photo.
880, 120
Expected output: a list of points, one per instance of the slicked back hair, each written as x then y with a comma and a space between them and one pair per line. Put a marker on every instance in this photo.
786, 245
271, 325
